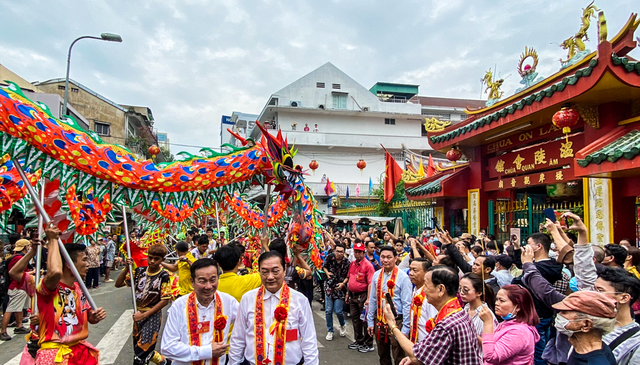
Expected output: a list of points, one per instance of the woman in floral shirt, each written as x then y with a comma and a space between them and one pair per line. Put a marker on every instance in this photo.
336, 265
93, 258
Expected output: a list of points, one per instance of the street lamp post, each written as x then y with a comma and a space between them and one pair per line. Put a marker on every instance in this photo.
103, 37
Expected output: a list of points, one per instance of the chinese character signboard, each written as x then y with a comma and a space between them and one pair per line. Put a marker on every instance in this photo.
474, 212
536, 178
598, 215
539, 157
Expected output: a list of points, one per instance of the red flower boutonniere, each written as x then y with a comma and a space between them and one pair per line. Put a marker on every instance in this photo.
417, 301
391, 284
280, 314
220, 323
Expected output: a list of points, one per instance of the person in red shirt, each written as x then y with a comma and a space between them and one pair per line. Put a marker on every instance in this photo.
359, 282
18, 297
64, 311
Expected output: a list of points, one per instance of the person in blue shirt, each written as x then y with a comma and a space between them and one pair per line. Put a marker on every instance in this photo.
386, 279
370, 253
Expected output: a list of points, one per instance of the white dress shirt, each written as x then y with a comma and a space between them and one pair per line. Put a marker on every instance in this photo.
427, 311
300, 318
175, 338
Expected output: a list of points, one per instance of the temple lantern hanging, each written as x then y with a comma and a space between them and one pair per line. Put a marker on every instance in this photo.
565, 118
313, 165
454, 154
154, 151
361, 165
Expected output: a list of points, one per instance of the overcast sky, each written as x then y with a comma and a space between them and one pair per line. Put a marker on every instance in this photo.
192, 61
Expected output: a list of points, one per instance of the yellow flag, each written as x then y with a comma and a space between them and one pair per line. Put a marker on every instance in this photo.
421, 169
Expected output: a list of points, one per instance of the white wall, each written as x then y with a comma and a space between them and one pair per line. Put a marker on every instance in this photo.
306, 92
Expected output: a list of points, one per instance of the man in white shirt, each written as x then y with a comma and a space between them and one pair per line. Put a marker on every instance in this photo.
213, 245
196, 329
417, 271
255, 340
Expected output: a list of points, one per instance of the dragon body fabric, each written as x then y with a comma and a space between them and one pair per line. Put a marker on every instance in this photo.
71, 155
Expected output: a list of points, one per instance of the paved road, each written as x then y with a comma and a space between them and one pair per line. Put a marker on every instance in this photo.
113, 335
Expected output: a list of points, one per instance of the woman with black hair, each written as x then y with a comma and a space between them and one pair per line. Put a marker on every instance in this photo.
475, 294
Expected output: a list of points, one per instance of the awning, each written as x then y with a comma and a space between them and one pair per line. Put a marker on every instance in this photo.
615, 153
452, 183
358, 219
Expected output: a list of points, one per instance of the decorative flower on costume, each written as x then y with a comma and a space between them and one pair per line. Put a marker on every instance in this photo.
281, 314
417, 301
220, 323
391, 284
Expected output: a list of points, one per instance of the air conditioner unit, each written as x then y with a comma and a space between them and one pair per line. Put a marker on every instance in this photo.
365, 108
295, 104
321, 106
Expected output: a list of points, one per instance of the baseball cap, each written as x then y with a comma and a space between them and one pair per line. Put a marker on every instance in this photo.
21, 244
588, 302
358, 246
465, 236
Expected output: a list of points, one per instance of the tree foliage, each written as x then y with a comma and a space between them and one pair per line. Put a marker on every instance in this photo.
382, 210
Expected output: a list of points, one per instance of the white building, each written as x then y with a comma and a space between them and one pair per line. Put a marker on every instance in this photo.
346, 122
240, 123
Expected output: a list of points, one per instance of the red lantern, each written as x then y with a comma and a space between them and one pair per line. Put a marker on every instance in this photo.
361, 164
154, 151
313, 165
454, 154
565, 118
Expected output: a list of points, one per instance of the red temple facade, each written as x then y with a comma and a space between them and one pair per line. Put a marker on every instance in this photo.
520, 163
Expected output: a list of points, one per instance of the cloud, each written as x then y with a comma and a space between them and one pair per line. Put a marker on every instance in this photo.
192, 61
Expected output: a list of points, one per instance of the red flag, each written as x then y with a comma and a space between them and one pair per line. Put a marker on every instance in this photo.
431, 167
393, 175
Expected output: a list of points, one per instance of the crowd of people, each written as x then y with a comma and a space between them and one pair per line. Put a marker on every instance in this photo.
430, 299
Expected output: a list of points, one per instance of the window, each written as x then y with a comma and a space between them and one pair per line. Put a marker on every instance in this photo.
335, 86
74, 90
101, 128
320, 85
60, 87
463, 117
339, 101
390, 121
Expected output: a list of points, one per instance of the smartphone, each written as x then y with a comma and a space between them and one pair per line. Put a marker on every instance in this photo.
388, 299
551, 214
435, 224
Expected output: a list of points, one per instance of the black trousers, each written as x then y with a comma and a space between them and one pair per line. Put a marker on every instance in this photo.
356, 306
306, 287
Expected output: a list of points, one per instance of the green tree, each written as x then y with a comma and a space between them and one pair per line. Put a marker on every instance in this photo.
382, 209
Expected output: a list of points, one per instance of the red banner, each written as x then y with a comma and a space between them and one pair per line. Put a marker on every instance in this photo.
525, 181
535, 158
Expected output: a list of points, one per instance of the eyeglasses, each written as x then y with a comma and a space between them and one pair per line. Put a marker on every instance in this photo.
464, 291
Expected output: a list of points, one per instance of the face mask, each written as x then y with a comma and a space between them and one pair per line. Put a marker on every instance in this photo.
561, 324
509, 316
491, 253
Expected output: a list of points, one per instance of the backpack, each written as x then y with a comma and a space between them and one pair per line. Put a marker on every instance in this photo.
5, 279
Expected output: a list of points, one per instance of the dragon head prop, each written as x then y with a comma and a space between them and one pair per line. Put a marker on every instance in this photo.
283, 172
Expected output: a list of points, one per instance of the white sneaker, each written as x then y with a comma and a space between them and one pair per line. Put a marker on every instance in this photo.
343, 330
329, 336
